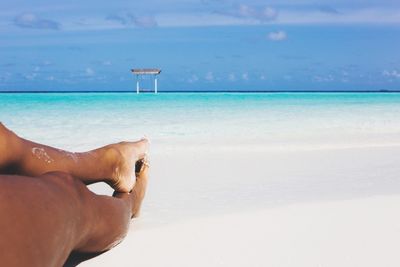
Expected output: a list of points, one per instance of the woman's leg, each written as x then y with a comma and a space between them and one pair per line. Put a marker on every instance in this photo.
42, 220
111, 164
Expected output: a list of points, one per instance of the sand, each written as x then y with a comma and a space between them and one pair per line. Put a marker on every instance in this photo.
240, 206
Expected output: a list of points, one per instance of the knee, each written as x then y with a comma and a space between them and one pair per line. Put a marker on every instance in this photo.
7, 137
4, 145
60, 177
67, 183
4, 131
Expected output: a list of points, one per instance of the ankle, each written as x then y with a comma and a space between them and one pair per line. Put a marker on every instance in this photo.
112, 160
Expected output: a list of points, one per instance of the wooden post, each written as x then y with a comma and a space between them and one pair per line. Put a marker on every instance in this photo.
137, 84
151, 73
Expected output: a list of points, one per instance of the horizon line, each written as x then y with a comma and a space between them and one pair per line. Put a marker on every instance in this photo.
201, 91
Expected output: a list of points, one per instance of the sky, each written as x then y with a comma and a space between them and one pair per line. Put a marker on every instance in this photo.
200, 44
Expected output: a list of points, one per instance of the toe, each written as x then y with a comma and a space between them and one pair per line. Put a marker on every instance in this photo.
142, 148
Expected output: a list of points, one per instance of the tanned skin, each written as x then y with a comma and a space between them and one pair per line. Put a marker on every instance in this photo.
46, 210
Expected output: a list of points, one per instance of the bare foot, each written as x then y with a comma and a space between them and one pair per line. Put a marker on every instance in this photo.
139, 190
136, 196
125, 155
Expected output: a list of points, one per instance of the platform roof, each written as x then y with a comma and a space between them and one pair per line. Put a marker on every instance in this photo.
145, 71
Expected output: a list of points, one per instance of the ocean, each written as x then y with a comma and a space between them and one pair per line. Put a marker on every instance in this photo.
220, 153
80, 121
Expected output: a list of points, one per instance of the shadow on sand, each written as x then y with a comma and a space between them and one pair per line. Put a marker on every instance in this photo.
76, 258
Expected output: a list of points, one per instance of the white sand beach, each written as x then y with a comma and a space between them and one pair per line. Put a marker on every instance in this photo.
221, 206
274, 130
242, 179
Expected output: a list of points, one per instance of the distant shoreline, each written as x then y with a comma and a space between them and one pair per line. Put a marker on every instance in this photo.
205, 91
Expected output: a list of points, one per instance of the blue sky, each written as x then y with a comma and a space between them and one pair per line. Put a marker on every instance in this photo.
200, 45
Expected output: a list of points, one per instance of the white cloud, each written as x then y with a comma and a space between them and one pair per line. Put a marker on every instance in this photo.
244, 16
232, 77
245, 76
391, 74
123, 19
328, 10
89, 72
262, 14
202, 19
5, 76
30, 20
263, 77
219, 13
127, 19
145, 21
354, 16
277, 36
30, 76
327, 78
194, 78
209, 76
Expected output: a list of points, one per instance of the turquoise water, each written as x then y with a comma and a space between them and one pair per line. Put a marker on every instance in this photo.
74, 120
82, 121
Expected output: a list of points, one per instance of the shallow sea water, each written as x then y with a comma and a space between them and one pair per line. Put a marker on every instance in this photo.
188, 183
81, 121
